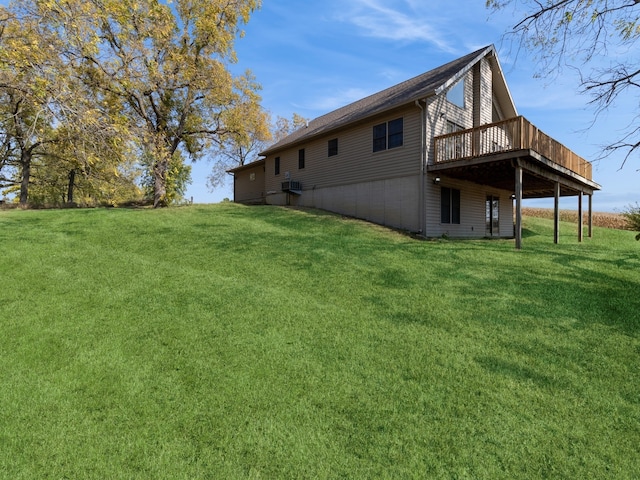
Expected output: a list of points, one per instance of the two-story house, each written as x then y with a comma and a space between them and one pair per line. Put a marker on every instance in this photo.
444, 153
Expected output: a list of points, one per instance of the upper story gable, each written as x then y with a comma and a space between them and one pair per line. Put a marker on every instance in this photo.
472, 87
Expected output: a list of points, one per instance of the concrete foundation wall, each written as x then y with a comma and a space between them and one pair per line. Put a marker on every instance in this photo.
393, 202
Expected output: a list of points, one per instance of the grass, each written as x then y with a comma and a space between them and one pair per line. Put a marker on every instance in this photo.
257, 342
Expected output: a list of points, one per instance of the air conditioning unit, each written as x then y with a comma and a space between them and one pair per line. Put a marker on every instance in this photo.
292, 187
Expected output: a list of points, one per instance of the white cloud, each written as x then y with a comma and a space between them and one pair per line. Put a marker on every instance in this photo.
338, 99
408, 21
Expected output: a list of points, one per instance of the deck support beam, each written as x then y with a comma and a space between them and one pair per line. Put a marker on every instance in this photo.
579, 216
556, 213
518, 206
590, 216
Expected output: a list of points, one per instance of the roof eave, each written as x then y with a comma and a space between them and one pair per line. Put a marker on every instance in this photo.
247, 166
339, 126
461, 73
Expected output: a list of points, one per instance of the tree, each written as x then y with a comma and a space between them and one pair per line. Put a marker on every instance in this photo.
165, 63
240, 149
85, 171
52, 133
580, 34
25, 117
284, 126
178, 177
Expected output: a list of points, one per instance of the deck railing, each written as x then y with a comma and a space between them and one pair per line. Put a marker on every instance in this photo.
505, 136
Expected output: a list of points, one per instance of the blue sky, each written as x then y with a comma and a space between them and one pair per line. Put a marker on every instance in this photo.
312, 57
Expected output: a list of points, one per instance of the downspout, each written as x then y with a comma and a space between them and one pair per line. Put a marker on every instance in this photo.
421, 209
423, 165
234, 186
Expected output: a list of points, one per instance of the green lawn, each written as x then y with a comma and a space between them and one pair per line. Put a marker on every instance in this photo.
256, 342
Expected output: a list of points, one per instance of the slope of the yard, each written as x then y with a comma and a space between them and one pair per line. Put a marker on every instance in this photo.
257, 342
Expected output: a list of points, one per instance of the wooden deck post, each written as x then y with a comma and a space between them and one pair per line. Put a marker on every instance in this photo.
590, 216
579, 216
518, 207
556, 213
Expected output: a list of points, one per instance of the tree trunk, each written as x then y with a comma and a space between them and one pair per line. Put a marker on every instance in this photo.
71, 185
25, 174
160, 183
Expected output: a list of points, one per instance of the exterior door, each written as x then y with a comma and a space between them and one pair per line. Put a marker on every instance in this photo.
492, 216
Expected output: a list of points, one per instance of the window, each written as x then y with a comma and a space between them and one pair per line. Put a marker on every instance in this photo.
277, 166
454, 144
456, 94
301, 159
395, 133
450, 205
333, 147
252, 177
453, 127
380, 137
388, 135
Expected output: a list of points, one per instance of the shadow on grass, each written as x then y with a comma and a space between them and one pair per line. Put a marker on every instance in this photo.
517, 372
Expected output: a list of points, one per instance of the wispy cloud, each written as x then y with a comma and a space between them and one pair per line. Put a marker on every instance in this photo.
404, 20
336, 100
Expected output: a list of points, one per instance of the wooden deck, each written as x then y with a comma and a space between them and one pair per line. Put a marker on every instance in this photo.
516, 156
511, 135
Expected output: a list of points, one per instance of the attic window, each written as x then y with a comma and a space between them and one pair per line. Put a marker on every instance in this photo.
456, 94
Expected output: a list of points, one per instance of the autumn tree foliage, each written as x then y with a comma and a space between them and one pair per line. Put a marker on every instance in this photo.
245, 147
26, 119
598, 38
166, 64
143, 79
242, 147
53, 137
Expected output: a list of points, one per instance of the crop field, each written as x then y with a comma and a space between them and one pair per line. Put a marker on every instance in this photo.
600, 219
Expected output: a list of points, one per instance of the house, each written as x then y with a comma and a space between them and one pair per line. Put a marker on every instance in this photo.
444, 153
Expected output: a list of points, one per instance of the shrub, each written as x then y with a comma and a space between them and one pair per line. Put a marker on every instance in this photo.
632, 215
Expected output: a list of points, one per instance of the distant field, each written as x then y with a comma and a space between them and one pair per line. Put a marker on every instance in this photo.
600, 219
230, 342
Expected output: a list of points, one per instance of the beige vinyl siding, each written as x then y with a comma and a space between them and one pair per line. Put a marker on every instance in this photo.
355, 162
246, 190
486, 92
440, 111
384, 187
472, 210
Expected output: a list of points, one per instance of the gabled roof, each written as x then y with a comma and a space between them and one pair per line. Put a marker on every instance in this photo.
417, 88
246, 166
